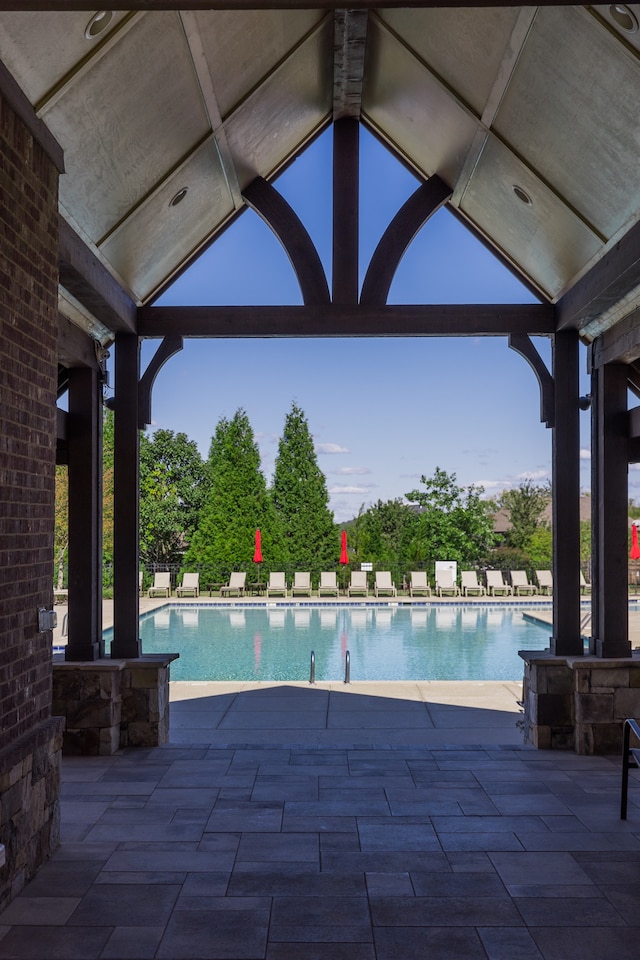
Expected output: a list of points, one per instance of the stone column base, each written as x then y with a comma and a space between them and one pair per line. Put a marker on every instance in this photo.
29, 805
578, 703
109, 704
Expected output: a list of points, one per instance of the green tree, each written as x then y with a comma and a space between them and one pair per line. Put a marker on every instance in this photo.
236, 503
61, 529
540, 549
300, 496
387, 531
108, 424
453, 523
173, 484
525, 505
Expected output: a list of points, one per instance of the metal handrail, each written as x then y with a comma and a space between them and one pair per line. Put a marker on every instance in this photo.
312, 669
347, 667
630, 726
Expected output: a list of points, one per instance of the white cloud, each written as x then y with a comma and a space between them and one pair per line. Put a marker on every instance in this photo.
342, 488
585, 454
535, 475
493, 484
331, 448
351, 471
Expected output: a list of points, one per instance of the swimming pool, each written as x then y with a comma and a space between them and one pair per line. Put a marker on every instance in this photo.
385, 642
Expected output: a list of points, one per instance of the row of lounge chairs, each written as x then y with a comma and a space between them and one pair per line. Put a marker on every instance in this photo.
419, 585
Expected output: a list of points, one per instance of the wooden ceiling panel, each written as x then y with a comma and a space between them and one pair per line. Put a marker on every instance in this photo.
143, 249
282, 113
242, 47
544, 237
413, 110
41, 48
126, 123
465, 47
571, 111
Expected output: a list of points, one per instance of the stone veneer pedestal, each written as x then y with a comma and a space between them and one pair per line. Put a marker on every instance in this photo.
109, 704
578, 703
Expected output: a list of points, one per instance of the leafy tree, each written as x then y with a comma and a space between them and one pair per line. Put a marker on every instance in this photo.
173, 483
386, 534
301, 499
236, 503
107, 485
61, 529
453, 523
525, 505
540, 549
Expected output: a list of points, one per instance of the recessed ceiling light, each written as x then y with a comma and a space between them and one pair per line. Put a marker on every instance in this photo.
521, 194
623, 17
178, 197
98, 23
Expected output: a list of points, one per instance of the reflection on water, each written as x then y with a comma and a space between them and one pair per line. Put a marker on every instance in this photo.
448, 642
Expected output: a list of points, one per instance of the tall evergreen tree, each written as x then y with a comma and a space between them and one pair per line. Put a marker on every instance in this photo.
236, 504
301, 499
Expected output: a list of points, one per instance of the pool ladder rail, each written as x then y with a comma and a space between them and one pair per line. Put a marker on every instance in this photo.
347, 667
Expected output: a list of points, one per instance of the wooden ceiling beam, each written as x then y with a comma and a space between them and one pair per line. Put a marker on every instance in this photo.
619, 344
349, 47
349, 320
88, 280
67, 5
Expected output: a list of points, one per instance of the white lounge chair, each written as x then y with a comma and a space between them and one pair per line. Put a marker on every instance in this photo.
470, 583
236, 585
328, 585
419, 585
190, 585
545, 581
496, 585
277, 584
520, 583
301, 585
358, 583
384, 584
585, 587
161, 586
446, 584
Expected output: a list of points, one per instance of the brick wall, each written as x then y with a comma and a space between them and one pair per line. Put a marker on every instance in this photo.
28, 379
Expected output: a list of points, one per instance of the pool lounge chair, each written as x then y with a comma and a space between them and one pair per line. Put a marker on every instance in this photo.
301, 585
545, 581
161, 585
328, 585
236, 585
585, 587
521, 584
384, 584
446, 584
496, 585
418, 584
358, 583
470, 584
190, 585
277, 584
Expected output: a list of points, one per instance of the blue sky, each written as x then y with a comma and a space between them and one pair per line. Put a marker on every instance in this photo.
382, 412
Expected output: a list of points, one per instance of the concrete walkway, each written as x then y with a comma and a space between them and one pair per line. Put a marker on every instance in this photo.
287, 822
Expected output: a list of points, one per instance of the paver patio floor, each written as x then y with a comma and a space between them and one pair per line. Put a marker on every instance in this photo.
367, 850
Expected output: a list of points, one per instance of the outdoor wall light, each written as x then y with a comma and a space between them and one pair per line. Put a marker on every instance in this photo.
623, 17
521, 194
98, 24
584, 402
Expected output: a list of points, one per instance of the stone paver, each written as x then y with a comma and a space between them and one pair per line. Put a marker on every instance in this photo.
366, 850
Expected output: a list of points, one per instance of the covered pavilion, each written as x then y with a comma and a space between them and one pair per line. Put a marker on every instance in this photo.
132, 137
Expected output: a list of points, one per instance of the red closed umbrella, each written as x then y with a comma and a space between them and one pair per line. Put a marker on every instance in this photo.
344, 556
635, 546
257, 553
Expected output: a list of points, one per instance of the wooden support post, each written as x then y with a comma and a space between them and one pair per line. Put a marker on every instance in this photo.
566, 639
610, 494
84, 439
126, 641
346, 177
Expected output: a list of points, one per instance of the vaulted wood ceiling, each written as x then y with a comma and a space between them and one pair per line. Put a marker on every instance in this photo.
531, 115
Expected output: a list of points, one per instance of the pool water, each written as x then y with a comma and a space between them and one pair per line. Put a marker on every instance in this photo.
434, 642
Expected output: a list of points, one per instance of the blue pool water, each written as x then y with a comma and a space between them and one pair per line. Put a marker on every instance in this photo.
433, 642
